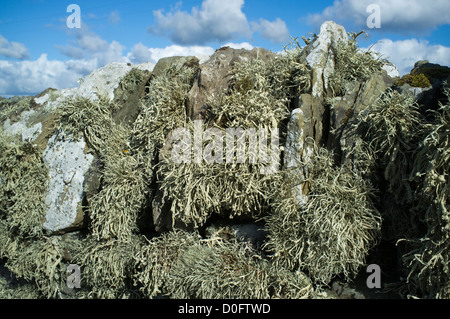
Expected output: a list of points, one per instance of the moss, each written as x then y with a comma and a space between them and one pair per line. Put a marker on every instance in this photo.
13, 107
39, 262
415, 80
155, 259
115, 209
244, 85
393, 132
163, 108
432, 73
261, 91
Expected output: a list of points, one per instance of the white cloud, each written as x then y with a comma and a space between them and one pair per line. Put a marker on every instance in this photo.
31, 77
13, 49
114, 17
216, 20
405, 53
140, 53
406, 16
243, 45
276, 31
91, 42
90, 46
71, 51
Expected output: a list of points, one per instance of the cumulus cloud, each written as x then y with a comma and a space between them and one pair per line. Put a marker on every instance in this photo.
405, 53
140, 53
90, 46
31, 77
276, 31
91, 42
215, 20
406, 16
71, 51
14, 50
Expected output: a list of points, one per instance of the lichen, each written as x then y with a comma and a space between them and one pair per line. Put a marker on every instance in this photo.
332, 233
353, 64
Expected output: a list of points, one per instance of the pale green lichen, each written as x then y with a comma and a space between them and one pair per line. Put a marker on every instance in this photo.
332, 233
221, 270
353, 64
428, 260
23, 187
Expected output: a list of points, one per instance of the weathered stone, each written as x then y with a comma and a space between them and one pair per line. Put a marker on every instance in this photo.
214, 75
177, 61
67, 163
347, 110
162, 217
305, 127
71, 167
319, 55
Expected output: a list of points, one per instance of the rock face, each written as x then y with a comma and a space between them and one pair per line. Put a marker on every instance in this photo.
68, 164
437, 76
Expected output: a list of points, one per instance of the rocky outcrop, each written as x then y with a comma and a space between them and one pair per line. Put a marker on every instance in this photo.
71, 166
315, 116
320, 56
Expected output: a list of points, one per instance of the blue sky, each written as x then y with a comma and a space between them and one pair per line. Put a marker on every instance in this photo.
38, 50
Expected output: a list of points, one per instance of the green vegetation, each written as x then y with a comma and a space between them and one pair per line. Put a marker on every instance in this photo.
416, 80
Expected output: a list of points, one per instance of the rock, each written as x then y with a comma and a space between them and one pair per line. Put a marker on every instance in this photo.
309, 123
162, 217
73, 172
177, 61
214, 75
304, 128
320, 57
391, 70
347, 110
67, 163
429, 97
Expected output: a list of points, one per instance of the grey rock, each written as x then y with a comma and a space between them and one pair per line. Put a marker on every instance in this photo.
320, 57
67, 163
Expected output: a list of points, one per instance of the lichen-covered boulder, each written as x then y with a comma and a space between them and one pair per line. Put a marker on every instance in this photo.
214, 75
